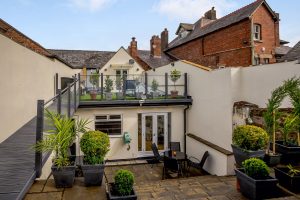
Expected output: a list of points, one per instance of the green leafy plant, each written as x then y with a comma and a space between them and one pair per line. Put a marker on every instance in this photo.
94, 145
249, 137
293, 171
175, 75
119, 82
124, 180
290, 125
256, 168
61, 136
94, 78
108, 84
154, 85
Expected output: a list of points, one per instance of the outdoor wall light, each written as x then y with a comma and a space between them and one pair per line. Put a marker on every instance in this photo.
173, 64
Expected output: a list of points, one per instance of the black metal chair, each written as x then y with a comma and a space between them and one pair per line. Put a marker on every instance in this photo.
174, 146
171, 166
157, 158
196, 163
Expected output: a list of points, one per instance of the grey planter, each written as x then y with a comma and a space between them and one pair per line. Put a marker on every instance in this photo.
272, 160
64, 176
93, 174
257, 189
120, 95
154, 94
241, 155
108, 96
290, 154
111, 194
286, 180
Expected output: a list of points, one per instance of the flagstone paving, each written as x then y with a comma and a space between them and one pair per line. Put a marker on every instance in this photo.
148, 185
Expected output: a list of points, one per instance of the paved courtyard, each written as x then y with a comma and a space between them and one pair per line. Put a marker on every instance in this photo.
148, 185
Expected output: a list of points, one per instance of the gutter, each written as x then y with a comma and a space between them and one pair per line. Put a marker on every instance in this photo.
185, 125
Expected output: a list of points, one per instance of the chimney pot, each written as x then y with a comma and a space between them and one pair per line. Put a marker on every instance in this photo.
132, 49
164, 39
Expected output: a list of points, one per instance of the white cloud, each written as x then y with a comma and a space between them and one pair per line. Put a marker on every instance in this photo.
192, 9
91, 5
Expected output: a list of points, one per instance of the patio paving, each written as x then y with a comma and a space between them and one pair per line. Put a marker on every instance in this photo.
148, 185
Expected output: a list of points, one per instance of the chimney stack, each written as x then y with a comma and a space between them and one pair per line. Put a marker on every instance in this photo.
132, 49
155, 46
164, 39
211, 14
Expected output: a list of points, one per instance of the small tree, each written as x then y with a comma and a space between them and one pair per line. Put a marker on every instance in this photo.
119, 82
154, 85
108, 84
175, 75
94, 78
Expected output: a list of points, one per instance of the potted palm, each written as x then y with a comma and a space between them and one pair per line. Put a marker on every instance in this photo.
254, 180
154, 87
94, 145
122, 188
94, 79
248, 141
175, 75
108, 88
59, 140
289, 177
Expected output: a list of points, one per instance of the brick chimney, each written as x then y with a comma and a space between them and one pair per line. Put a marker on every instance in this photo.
211, 14
132, 49
277, 35
155, 46
164, 39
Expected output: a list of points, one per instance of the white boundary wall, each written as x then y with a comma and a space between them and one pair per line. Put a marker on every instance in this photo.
26, 76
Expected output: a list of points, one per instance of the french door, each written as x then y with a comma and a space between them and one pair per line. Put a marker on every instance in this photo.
154, 130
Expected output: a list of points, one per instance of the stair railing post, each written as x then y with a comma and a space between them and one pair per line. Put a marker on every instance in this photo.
75, 97
39, 136
69, 100
79, 86
124, 86
146, 84
166, 85
59, 101
56, 83
101, 77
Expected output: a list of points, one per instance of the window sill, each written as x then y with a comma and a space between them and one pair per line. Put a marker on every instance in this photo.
115, 136
258, 41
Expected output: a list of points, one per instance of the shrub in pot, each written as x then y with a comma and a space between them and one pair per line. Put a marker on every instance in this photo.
289, 177
254, 180
94, 145
175, 75
94, 79
59, 140
108, 88
119, 85
154, 87
248, 141
122, 188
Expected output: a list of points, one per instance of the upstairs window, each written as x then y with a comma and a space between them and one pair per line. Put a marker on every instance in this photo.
257, 32
109, 124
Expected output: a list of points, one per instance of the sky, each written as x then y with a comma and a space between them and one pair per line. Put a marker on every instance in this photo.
109, 24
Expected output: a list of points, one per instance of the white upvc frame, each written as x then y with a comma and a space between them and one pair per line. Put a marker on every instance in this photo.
154, 131
107, 115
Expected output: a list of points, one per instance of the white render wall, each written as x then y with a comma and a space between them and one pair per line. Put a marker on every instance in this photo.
118, 149
26, 76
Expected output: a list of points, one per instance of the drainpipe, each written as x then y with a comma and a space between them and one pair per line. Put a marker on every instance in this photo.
185, 125
252, 42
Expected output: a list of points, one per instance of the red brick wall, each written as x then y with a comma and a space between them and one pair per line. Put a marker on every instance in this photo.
226, 47
268, 30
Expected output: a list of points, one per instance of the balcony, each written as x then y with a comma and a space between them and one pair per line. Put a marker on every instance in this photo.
103, 90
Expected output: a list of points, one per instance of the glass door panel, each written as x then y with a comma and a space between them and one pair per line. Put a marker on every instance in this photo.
161, 132
148, 132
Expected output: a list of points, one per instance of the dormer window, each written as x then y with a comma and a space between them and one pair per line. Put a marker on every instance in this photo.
257, 32
184, 34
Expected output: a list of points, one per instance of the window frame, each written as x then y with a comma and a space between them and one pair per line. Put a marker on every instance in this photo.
258, 32
110, 120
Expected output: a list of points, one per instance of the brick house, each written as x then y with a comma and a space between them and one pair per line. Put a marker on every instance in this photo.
247, 36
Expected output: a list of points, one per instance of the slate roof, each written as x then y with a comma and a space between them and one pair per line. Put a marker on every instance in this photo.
282, 50
293, 54
82, 58
154, 62
234, 17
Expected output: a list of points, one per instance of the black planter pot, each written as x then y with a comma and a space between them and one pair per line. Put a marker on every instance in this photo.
93, 174
112, 194
272, 160
241, 155
287, 181
290, 154
64, 176
257, 189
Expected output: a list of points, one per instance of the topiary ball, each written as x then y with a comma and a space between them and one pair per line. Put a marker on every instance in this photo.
94, 145
256, 168
124, 180
250, 137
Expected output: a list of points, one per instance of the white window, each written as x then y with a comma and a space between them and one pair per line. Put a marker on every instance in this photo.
109, 124
257, 32
122, 73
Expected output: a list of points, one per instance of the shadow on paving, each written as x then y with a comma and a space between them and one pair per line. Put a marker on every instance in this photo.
148, 185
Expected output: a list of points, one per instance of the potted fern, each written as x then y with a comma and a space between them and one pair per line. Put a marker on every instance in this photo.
108, 88
254, 180
248, 141
94, 145
122, 188
58, 140
175, 75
